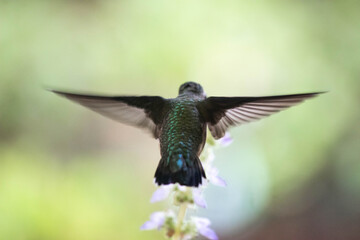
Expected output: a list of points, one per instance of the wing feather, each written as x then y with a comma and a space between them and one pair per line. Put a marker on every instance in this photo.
139, 111
223, 112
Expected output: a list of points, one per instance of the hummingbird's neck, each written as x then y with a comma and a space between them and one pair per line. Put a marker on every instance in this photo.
190, 95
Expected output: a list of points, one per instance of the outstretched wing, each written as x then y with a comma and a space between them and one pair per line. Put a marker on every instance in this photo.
222, 112
142, 111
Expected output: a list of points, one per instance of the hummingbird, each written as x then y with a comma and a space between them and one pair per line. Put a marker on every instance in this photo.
181, 123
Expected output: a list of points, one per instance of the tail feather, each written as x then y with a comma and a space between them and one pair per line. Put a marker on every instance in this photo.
187, 172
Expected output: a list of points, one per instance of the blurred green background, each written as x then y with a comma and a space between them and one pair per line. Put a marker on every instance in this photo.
67, 173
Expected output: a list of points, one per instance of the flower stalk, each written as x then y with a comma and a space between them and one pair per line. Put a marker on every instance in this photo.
179, 221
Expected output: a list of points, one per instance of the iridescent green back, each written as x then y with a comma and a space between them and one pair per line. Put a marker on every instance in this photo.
182, 133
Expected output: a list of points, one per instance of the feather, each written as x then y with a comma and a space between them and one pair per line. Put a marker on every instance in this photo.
139, 111
222, 112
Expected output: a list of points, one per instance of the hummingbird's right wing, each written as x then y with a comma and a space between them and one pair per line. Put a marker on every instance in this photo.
222, 112
140, 111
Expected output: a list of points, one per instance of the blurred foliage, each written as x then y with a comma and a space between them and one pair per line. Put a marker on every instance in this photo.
66, 173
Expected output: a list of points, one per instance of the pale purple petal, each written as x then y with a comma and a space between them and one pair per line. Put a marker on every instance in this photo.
202, 226
208, 233
201, 222
213, 176
226, 140
161, 193
198, 198
219, 181
211, 171
157, 220
149, 225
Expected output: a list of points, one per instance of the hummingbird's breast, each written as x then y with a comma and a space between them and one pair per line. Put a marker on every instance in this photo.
182, 131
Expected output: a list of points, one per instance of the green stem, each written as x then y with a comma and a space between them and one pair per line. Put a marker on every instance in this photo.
180, 219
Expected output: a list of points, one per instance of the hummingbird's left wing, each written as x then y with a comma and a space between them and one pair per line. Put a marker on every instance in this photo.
140, 111
222, 112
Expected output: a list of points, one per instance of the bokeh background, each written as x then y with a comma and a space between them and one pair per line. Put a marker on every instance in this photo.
68, 173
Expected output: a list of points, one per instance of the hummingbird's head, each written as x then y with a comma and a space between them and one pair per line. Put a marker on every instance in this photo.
192, 88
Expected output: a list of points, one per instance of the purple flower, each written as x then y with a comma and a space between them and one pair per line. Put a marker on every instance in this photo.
161, 193
226, 140
212, 174
198, 198
202, 226
157, 220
